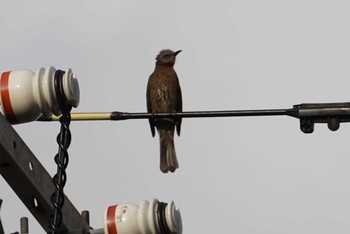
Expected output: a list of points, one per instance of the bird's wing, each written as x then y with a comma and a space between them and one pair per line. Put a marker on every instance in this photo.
179, 109
149, 110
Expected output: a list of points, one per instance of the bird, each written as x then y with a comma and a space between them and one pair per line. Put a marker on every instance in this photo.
164, 95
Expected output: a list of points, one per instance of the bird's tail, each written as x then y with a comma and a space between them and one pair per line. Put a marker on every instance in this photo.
168, 160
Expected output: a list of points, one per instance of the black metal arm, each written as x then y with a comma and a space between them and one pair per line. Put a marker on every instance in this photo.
31, 182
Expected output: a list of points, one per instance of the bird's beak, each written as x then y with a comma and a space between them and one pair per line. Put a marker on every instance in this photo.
177, 52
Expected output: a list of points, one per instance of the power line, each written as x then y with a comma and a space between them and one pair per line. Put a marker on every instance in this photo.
309, 113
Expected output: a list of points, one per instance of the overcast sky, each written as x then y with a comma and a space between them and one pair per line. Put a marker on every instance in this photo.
236, 175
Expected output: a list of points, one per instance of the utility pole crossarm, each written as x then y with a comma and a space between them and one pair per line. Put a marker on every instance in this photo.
31, 182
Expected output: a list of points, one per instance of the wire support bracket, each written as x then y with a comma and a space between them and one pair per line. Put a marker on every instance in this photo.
32, 183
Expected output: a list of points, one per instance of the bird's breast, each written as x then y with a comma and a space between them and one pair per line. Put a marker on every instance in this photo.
163, 97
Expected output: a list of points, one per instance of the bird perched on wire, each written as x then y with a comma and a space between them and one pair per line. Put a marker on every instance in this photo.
164, 95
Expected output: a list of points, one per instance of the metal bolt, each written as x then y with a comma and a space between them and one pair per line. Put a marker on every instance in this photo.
24, 225
86, 216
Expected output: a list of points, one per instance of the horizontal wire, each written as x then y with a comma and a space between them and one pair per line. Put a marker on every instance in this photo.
116, 115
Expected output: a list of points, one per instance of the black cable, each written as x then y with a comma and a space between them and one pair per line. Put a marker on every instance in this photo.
61, 158
163, 226
116, 115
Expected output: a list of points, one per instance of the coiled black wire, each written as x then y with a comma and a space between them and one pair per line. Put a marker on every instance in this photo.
163, 226
61, 158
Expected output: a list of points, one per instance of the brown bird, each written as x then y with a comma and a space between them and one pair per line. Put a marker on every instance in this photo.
164, 95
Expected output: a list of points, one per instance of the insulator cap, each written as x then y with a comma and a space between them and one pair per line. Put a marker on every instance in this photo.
26, 95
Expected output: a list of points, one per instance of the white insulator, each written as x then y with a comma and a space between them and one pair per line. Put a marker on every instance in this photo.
26, 95
148, 218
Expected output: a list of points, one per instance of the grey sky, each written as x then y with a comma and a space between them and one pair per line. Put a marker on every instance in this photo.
237, 175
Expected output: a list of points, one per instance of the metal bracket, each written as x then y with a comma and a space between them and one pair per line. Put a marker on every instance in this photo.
32, 183
331, 113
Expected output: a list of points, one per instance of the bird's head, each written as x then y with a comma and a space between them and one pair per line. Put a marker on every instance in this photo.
167, 57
